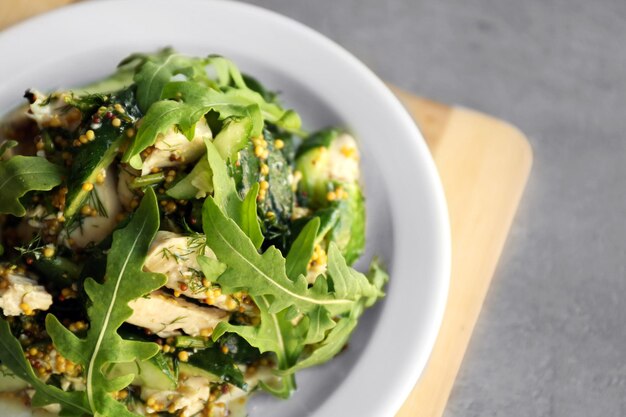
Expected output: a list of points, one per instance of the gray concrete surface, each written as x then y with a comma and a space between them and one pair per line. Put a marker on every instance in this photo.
551, 340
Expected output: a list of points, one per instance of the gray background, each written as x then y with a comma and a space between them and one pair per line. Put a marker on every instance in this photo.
550, 340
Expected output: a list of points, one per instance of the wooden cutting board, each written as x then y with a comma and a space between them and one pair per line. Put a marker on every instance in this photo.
484, 164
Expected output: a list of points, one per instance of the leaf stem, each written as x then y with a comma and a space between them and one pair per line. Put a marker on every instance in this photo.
147, 180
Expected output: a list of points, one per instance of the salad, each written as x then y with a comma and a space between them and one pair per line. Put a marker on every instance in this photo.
172, 241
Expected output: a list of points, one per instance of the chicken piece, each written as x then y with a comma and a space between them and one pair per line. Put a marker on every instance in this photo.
173, 148
97, 227
125, 192
51, 111
176, 256
22, 295
189, 399
343, 159
167, 316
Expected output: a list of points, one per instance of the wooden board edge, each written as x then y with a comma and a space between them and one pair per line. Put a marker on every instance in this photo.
14, 11
430, 395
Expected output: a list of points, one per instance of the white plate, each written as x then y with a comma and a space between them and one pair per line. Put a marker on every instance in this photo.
407, 216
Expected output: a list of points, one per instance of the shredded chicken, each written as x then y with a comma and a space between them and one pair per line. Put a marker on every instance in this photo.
173, 148
166, 315
22, 295
176, 256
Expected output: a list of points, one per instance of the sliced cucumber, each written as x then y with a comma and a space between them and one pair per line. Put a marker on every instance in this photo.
190, 370
95, 156
233, 137
154, 373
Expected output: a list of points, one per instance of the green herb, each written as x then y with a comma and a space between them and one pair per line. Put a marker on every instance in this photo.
165, 114
93, 199
219, 364
267, 337
182, 104
197, 184
331, 345
379, 277
232, 97
21, 174
153, 76
226, 71
302, 249
293, 316
334, 341
86, 103
264, 275
244, 213
211, 268
12, 356
124, 282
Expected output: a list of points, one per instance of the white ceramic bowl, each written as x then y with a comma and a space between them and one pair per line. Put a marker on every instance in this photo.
407, 216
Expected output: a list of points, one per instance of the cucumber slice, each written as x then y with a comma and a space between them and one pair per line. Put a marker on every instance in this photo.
154, 373
233, 137
190, 370
95, 156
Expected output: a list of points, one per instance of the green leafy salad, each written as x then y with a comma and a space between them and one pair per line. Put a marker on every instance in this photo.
172, 241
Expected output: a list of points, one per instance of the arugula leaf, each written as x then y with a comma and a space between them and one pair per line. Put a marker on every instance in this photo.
194, 93
293, 316
227, 103
224, 188
123, 76
318, 323
247, 269
211, 268
21, 174
183, 103
184, 114
340, 331
334, 342
244, 213
226, 71
158, 70
268, 336
379, 277
302, 249
12, 356
124, 281
272, 112
151, 79
160, 117
264, 275
229, 78
348, 282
